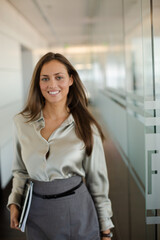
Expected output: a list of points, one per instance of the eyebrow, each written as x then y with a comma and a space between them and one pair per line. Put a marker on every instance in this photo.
53, 74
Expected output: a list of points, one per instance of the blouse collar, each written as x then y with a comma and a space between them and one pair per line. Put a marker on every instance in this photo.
40, 122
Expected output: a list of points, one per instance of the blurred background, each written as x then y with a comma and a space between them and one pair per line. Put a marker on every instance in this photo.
115, 46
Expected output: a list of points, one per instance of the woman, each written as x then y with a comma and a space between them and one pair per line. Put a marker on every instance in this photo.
58, 143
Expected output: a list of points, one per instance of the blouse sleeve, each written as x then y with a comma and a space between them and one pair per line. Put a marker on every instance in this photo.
97, 182
20, 174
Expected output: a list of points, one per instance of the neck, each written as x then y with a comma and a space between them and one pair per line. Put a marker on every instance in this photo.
55, 111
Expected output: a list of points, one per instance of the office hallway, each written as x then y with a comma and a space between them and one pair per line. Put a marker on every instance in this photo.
114, 46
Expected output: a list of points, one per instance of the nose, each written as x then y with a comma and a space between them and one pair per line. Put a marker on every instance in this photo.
52, 83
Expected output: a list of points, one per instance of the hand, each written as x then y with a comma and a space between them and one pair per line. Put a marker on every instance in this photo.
106, 238
14, 216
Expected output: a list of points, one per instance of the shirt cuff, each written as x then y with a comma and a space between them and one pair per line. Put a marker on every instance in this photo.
106, 224
14, 198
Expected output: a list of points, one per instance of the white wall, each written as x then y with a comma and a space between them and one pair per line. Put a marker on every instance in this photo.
14, 25
15, 32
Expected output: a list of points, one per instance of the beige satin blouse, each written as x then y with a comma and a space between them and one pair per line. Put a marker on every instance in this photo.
66, 158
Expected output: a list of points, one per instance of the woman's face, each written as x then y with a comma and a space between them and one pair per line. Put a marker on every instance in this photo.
55, 82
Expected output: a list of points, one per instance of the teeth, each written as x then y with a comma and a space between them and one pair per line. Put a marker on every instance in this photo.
53, 93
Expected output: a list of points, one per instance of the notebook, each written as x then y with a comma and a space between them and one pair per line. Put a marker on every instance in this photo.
26, 206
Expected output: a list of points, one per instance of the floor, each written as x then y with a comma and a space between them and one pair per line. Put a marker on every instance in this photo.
6, 233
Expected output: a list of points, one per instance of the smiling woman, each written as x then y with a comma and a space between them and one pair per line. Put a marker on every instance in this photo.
58, 144
55, 82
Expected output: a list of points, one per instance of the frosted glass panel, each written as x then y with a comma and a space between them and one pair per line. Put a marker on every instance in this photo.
126, 88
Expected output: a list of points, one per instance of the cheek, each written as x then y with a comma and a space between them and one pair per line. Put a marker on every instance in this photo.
42, 86
65, 84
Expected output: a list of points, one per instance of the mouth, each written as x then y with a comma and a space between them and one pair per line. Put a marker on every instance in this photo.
53, 93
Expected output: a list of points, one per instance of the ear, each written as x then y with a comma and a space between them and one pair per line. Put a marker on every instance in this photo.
70, 80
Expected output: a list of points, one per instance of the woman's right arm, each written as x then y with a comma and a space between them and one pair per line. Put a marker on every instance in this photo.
14, 216
20, 176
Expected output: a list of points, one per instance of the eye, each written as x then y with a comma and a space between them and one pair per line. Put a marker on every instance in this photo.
45, 79
59, 77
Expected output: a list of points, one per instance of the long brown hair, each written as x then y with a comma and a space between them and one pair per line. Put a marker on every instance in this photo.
76, 101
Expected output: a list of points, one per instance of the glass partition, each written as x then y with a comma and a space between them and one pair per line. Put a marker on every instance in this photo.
129, 100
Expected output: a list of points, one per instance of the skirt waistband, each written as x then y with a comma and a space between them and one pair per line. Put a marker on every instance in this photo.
59, 195
56, 186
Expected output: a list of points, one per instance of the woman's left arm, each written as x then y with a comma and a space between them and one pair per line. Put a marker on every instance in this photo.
106, 235
98, 184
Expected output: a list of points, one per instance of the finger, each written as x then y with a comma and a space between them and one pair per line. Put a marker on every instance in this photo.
17, 228
17, 225
14, 224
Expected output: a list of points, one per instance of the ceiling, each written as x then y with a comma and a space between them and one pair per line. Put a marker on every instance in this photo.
73, 22
66, 23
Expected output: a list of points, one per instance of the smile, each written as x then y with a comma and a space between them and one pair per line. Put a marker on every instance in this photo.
53, 92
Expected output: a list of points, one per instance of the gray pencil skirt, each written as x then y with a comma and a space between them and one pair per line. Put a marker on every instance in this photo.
71, 217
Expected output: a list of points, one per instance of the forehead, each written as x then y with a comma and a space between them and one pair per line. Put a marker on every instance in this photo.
53, 67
